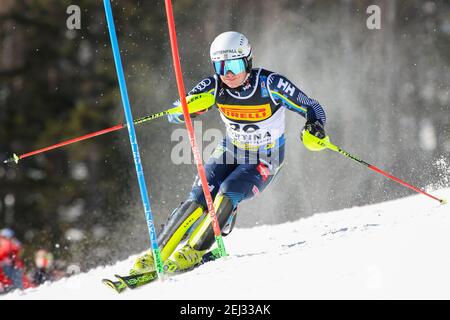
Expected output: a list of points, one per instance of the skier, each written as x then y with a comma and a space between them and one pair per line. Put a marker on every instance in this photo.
252, 104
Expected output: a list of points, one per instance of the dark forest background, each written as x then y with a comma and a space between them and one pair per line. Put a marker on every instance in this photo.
385, 92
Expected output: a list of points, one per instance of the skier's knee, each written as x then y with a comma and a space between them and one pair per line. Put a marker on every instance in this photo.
180, 221
226, 213
203, 237
183, 209
197, 195
231, 191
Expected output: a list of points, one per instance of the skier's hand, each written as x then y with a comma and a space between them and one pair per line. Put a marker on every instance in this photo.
175, 118
315, 128
311, 134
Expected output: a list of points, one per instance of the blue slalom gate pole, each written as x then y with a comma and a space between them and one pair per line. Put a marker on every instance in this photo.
133, 140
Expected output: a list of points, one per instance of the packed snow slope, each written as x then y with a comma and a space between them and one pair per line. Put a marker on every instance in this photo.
392, 250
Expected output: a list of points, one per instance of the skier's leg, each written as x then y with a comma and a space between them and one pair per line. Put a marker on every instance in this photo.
187, 214
173, 232
179, 222
243, 183
246, 181
217, 169
203, 236
190, 255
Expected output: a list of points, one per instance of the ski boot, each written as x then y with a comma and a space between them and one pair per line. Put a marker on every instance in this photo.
184, 259
143, 264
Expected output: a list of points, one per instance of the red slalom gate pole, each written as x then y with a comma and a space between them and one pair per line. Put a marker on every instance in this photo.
190, 129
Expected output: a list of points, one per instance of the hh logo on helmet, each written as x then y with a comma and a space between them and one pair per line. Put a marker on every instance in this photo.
249, 113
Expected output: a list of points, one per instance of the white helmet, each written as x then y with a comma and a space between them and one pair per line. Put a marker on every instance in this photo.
230, 45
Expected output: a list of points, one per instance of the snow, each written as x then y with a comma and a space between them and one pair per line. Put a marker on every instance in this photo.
392, 250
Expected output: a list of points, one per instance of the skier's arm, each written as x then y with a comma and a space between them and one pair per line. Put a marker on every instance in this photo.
206, 85
289, 96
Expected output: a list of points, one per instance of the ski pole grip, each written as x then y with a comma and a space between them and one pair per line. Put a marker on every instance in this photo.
15, 158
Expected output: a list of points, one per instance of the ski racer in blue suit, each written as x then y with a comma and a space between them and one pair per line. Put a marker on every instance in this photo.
252, 104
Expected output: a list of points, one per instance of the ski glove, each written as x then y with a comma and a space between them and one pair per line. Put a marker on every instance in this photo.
315, 128
175, 118
311, 134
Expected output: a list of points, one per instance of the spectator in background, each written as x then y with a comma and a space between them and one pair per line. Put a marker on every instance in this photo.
43, 261
45, 268
5, 282
12, 275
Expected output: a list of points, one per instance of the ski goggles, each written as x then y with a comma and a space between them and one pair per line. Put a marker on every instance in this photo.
236, 66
